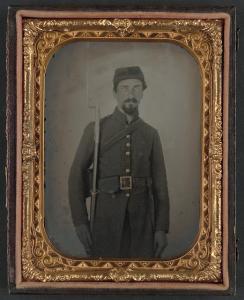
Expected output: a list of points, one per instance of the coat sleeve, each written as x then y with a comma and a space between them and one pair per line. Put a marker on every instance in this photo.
77, 176
159, 186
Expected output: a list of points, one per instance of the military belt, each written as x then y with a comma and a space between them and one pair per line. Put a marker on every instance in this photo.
122, 183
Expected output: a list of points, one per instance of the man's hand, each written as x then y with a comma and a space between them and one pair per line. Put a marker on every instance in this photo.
160, 243
84, 235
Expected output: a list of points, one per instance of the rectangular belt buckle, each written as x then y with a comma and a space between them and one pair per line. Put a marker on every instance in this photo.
125, 182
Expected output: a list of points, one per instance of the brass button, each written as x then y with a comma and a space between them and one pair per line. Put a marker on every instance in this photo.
127, 195
128, 144
127, 153
127, 170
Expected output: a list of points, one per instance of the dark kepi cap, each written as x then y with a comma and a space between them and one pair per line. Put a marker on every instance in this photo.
133, 72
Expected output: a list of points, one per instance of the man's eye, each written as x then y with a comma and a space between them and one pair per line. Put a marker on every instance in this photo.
137, 88
124, 88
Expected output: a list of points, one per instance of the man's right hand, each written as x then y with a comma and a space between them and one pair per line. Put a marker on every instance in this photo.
84, 235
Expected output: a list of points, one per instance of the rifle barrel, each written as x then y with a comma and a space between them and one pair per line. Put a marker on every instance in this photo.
95, 164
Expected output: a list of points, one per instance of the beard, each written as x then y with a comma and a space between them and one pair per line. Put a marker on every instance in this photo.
130, 106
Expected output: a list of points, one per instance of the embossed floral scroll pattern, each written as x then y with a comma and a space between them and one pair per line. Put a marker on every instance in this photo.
40, 260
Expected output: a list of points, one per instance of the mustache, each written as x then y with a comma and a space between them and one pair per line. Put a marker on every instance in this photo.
129, 100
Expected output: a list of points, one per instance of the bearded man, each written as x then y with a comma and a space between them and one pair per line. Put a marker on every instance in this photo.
132, 206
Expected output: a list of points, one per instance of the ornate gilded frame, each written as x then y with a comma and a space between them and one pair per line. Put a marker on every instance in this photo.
37, 264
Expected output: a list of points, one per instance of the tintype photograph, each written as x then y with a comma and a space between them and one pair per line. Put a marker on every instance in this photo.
120, 151
139, 158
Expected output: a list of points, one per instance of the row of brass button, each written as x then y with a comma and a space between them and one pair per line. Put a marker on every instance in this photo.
127, 170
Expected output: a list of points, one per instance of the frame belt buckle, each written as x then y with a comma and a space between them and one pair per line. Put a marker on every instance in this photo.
125, 182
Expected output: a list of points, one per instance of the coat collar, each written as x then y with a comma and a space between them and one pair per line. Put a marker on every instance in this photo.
121, 117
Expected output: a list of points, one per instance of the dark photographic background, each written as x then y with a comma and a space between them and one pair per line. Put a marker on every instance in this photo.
119, 4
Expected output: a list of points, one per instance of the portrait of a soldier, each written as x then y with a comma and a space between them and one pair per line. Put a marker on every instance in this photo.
131, 212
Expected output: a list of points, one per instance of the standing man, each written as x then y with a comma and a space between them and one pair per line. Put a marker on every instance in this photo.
132, 204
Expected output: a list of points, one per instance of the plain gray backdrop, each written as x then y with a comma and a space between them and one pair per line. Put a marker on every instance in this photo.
81, 73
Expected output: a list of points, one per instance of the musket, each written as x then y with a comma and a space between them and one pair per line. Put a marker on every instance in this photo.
95, 165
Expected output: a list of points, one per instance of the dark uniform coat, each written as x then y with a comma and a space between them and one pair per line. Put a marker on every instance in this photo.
125, 220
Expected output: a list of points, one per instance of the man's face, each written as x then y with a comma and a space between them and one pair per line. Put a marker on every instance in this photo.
129, 94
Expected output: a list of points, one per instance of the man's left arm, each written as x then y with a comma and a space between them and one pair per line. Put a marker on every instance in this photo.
160, 195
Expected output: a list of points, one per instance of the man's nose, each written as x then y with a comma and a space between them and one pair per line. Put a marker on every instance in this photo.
130, 94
